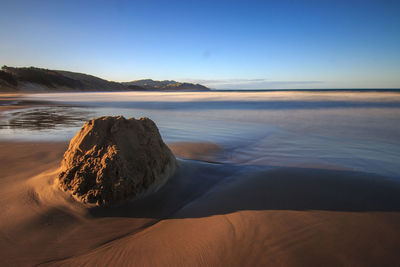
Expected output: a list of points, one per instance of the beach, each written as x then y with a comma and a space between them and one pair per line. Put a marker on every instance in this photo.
250, 189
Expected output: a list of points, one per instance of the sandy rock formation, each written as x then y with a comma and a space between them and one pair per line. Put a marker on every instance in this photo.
112, 159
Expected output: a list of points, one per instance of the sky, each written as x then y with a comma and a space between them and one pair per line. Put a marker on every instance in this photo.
221, 44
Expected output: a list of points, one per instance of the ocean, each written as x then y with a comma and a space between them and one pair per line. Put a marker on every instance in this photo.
335, 129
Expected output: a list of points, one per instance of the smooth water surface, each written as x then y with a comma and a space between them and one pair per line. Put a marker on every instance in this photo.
350, 130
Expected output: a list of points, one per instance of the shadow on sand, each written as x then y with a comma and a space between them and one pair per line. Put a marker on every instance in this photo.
203, 189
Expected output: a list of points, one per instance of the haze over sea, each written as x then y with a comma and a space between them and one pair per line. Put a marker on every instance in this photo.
328, 129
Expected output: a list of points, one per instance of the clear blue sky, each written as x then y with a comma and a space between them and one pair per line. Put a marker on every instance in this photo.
223, 44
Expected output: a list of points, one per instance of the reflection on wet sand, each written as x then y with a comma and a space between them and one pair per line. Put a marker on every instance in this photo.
44, 118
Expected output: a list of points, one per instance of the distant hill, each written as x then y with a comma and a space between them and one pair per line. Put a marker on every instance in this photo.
150, 84
37, 79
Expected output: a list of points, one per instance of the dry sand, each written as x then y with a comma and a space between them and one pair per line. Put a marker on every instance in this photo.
207, 215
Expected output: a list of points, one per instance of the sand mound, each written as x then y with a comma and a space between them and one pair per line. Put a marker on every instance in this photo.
112, 159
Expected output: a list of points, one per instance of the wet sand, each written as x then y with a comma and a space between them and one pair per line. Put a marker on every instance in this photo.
8, 101
206, 215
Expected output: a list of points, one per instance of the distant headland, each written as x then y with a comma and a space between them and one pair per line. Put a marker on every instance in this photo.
31, 79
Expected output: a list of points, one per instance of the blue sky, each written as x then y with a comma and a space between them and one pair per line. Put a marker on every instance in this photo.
223, 44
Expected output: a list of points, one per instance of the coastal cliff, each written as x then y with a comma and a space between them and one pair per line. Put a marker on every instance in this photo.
33, 79
149, 84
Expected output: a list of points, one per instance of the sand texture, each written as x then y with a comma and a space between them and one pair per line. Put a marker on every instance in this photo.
205, 215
